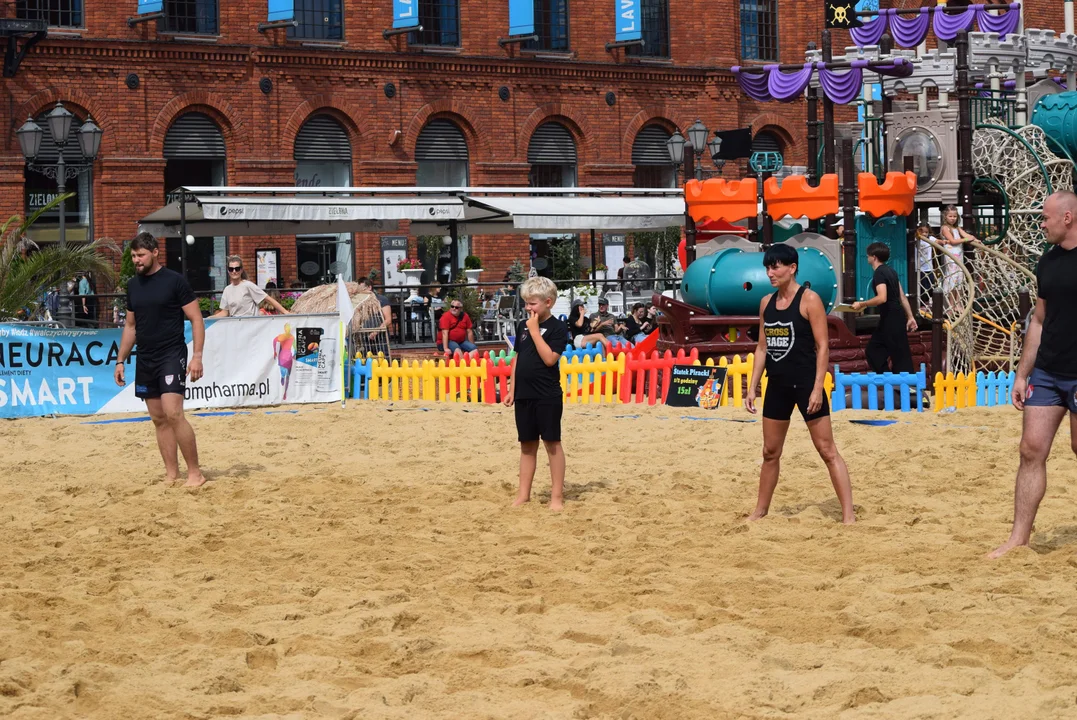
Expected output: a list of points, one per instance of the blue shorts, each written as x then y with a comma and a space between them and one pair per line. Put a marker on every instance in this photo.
1047, 390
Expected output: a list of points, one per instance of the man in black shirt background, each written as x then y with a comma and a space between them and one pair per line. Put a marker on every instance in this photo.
1046, 383
158, 299
890, 340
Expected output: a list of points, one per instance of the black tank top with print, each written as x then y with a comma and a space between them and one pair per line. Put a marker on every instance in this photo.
790, 343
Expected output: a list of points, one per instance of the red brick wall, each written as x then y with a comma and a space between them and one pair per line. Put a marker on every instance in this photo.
87, 70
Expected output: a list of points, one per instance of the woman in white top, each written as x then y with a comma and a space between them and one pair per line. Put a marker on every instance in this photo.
242, 297
953, 238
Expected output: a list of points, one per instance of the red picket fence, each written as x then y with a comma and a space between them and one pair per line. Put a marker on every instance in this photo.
651, 375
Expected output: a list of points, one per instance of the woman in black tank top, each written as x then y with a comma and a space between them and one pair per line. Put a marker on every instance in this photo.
794, 350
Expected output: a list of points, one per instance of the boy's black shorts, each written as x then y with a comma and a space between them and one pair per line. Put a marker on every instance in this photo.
539, 418
781, 398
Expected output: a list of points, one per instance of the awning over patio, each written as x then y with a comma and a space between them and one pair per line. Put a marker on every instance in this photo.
475, 211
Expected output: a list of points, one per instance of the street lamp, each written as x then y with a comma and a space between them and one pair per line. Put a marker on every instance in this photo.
697, 136
675, 148
59, 121
715, 146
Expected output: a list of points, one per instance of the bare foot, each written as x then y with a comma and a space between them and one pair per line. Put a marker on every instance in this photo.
197, 481
1005, 548
520, 501
851, 520
757, 515
168, 482
557, 504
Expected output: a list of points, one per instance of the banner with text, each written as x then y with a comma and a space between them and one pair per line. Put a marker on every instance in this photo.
521, 17
628, 25
405, 13
247, 361
280, 10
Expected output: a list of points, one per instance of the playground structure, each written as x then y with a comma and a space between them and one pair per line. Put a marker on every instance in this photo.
922, 151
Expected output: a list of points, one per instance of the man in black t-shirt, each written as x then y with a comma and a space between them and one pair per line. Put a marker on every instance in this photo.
890, 341
1046, 383
158, 299
536, 388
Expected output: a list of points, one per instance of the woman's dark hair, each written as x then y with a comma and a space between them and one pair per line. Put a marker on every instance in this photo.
144, 241
781, 254
638, 306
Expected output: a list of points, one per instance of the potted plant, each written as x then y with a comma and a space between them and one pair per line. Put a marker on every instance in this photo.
600, 271
412, 269
472, 268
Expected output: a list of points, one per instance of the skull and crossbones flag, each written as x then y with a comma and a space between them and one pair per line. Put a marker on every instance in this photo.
841, 14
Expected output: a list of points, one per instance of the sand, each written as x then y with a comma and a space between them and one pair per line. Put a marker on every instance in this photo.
364, 563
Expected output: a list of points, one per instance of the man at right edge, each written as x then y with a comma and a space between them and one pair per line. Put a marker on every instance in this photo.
1046, 383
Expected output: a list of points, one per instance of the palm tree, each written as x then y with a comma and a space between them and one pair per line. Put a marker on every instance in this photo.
27, 273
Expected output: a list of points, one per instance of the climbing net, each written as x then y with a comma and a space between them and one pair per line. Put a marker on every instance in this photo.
958, 292
1027, 171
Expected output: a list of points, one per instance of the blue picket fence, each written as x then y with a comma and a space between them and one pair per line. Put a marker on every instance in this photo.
362, 371
993, 388
903, 384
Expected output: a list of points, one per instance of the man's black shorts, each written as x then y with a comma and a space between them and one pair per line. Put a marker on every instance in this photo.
539, 418
781, 398
161, 374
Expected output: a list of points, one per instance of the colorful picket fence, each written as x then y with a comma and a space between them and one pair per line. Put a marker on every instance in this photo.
954, 391
994, 388
859, 384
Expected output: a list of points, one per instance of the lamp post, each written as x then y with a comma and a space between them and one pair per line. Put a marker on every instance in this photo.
59, 121
715, 146
675, 148
697, 136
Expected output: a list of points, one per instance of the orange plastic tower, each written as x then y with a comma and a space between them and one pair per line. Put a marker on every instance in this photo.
729, 200
896, 194
798, 199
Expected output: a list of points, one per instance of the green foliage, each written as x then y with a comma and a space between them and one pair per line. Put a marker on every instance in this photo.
127, 271
517, 274
25, 280
430, 245
209, 305
657, 248
287, 303
472, 262
566, 259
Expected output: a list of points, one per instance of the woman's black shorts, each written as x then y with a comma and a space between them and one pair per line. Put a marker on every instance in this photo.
539, 418
781, 398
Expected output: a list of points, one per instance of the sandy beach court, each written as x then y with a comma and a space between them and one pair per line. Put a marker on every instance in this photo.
365, 563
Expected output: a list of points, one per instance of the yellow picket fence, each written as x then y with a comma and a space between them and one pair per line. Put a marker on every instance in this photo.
958, 391
429, 380
739, 374
586, 379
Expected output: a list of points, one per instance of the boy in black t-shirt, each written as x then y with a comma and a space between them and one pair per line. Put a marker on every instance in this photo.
536, 388
890, 341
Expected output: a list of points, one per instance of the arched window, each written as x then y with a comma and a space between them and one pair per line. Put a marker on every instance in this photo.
442, 156
552, 154
323, 158
766, 141
654, 169
195, 155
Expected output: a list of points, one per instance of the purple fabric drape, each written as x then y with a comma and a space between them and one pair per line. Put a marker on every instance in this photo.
900, 67
910, 31
754, 84
1003, 24
870, 33
843, 86
948, 26
787, 87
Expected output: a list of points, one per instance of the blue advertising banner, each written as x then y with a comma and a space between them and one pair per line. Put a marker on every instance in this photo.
521, 17
150, 6
628, 25
281, 10
405, 13
254, 361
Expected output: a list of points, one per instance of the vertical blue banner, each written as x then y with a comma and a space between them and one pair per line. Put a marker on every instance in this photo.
628, 21
281, 10
521, 17
405, 13
150, 6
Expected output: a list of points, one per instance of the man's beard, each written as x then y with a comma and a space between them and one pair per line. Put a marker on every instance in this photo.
141, 270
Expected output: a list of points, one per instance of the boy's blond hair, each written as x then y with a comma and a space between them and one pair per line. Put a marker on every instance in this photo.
538, 287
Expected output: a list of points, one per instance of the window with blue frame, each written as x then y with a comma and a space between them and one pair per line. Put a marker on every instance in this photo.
441, 23
759, 30
654, 29
195, 17
318, 20
57, 13
551, 26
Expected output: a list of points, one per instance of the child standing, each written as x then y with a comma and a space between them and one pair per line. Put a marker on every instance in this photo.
536, 388
925, 256
953, 238
890, 341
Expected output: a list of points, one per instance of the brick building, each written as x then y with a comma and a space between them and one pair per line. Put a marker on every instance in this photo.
204, 96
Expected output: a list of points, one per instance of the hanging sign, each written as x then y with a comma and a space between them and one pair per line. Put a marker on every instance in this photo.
628, 20
841, 14
281, 10
146, 7
521, 17
405, 13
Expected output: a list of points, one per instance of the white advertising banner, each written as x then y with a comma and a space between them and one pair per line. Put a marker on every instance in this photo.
248, 362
